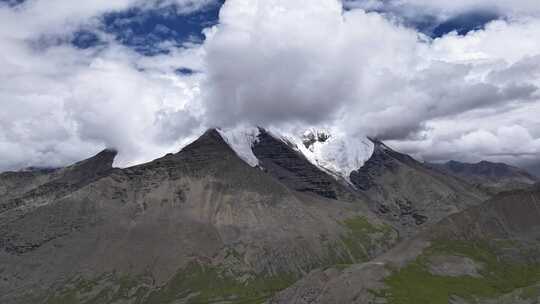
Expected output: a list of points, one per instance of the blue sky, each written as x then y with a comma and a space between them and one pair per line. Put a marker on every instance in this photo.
144, 30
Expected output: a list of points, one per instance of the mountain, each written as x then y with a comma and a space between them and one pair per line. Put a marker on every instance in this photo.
234, 217
405, 193
486, 254
409, 194
22, 191
534, 169
199, 226
493, 177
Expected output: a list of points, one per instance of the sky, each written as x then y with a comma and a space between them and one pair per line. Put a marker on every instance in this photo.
440, 80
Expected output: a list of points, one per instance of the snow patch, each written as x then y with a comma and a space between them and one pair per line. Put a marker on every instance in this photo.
334, 152
241, 140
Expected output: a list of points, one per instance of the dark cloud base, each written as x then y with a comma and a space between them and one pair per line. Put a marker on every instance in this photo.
462, 24
431, 23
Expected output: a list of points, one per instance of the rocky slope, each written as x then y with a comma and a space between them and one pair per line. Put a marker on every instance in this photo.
400, 190
26, 190
409, 194
233, 217
486, 254
199, 226
492, 177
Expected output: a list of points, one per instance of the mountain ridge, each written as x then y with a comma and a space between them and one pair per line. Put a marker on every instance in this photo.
490, 176
202, 211
409, 194
205, 225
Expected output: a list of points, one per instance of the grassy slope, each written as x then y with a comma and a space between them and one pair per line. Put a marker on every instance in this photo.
414, 284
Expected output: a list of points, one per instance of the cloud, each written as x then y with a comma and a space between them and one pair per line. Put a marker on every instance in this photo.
61, 103
515, 6
365, 73
528, 7
354, 68
265, 66
438, 18
105, 102
510, 136
277, 63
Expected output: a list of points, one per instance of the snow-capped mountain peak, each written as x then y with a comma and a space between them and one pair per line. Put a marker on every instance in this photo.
332, 152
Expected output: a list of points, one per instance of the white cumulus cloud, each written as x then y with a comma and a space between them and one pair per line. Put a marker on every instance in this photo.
285, 64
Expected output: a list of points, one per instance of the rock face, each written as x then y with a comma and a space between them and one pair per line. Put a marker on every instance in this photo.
408, 194
199, 226
492, 177
486, 254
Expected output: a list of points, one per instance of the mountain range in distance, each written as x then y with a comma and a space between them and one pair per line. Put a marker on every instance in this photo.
253, 216
493, 177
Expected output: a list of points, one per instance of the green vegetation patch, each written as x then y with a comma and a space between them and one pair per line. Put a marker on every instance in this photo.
195, 284
364, 236
108, 288
414, 284
203, 284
